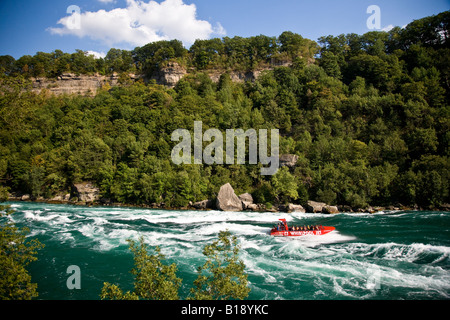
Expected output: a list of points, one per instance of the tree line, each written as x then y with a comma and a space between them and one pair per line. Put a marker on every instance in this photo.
235, 53
367, 115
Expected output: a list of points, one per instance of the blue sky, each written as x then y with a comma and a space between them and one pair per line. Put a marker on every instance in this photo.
30, 26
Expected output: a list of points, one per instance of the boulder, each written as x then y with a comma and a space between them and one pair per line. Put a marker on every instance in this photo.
315, 207
25, 197
344, 208
290, 207
295, 208
330, 209
204, 204
57, 198
247, 201
252, 206
227, 200
247, 197
85, 192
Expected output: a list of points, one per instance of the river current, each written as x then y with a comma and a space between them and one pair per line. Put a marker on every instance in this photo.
387, 255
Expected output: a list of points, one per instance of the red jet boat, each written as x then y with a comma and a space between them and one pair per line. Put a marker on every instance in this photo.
284, 231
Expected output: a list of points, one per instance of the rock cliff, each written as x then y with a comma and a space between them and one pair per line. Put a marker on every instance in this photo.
169, 75
85, 192
71, 83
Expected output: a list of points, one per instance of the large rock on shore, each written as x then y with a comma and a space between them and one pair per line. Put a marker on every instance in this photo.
330, 209
314, 206
247, 201
204, 204
295, 208
290, 207
85, 192
227, 200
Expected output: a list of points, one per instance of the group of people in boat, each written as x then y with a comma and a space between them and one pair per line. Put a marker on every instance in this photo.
281, 227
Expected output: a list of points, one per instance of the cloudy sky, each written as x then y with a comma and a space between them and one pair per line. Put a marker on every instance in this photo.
29, 26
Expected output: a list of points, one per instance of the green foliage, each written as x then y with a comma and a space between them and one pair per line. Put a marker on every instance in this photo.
222, 276
153, 279
16, 253
284, 185
362, 112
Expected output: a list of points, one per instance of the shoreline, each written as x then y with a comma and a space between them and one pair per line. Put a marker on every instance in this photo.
281, 208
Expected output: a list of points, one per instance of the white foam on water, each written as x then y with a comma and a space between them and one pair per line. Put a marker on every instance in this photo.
46, 216
332, 265
196, 217
400, 252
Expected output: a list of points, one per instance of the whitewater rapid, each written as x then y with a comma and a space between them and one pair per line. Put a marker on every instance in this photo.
382, 256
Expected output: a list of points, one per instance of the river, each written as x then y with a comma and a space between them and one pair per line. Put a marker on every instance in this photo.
387, 255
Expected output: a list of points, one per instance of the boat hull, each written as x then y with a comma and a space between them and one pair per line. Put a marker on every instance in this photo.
284, 233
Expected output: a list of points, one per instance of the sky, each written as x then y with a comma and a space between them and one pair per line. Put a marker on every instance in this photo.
29, 26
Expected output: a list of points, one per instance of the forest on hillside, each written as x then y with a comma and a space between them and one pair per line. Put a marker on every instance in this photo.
367, 115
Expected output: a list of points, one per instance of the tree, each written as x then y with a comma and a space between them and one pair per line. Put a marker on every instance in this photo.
153, 279
284, 185
118, 60
329, 62
6, 64
16, 253
150, 57
222, 276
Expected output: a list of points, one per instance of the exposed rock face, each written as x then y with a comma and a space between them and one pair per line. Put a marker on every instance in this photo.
315, 207
288, 160
235, 76
71, 83
170, 74
227, 199
85, 192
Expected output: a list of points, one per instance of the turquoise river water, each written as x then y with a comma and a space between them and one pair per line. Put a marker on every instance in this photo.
387, 255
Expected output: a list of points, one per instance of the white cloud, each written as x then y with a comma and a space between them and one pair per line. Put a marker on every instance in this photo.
107, 1
140, 23
388, 28
96, 54
219, 30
